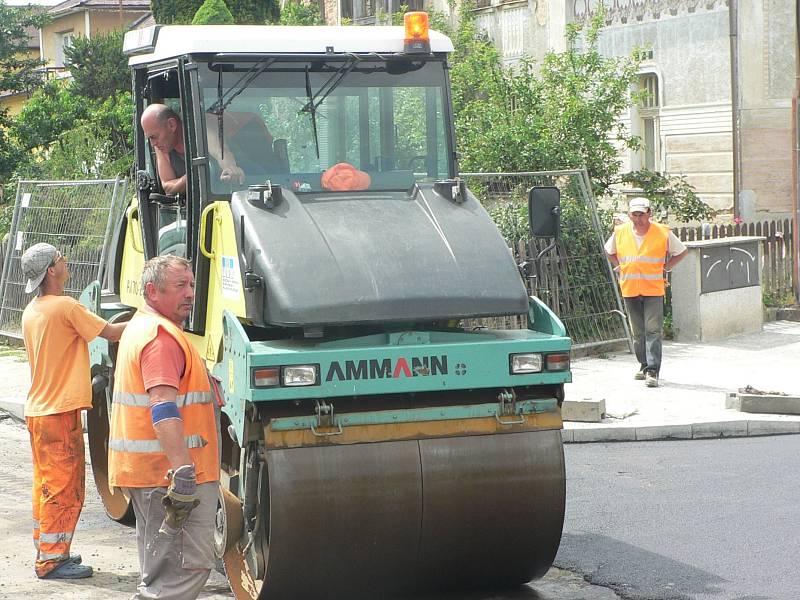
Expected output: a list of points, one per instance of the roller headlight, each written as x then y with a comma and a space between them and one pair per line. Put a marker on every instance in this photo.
525, 363
300, 375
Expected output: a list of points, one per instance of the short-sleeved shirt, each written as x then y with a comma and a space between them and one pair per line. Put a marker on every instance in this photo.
674, 245
162, 361
57, 330
178, 163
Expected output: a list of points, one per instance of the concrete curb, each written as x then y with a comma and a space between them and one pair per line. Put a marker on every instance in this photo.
691, 431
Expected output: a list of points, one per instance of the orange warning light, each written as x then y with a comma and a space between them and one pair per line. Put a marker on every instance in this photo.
417, 38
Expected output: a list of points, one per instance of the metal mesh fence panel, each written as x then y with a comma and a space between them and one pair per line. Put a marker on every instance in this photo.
574, 278
74, 216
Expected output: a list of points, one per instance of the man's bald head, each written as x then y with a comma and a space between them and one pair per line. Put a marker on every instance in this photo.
163, 127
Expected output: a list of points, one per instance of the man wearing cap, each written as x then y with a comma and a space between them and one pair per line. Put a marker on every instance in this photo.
56, 330
642, 252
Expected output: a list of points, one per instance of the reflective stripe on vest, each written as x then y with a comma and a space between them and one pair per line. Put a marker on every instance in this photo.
642, 269
151, 446
143, 400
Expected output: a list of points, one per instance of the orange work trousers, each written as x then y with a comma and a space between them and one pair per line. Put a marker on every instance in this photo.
58, 485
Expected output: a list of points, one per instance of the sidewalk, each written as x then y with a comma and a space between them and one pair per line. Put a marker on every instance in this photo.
690, 400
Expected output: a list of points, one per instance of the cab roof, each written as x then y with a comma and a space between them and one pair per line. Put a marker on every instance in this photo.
160, 42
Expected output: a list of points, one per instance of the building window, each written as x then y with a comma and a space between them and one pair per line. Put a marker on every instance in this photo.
63, 41
364, 12
648, 122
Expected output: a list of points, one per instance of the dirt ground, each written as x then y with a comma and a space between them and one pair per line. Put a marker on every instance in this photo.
110, 548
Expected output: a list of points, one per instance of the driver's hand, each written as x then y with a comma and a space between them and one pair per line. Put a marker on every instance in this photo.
232, 175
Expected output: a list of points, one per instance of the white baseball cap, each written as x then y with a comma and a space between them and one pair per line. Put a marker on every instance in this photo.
639, 205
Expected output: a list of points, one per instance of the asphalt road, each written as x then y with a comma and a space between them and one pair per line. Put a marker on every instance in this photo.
714, 519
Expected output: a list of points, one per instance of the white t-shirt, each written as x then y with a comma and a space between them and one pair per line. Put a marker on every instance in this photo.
674, 245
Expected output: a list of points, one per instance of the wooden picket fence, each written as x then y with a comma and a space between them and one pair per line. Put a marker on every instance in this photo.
777, 251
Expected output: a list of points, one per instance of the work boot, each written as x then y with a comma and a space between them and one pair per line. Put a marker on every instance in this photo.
639, 376
69, 570
651, 379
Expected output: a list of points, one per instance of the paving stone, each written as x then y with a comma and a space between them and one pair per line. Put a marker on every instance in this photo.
583, 411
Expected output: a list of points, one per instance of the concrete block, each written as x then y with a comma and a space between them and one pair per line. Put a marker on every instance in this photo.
567, 436
664, 432
606, 434
769, 404
719, 429
732, 400
772, 427
583, 411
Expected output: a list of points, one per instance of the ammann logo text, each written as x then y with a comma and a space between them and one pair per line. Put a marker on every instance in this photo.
386, 368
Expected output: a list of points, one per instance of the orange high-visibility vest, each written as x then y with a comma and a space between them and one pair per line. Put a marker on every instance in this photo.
642, 269
135, 456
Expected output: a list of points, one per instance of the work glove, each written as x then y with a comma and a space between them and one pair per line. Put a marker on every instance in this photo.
181, 496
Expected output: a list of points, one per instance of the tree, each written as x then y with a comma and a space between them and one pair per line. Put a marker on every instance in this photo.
561, 114
98, 66
245, 12
18, 73
300, 13
213, 12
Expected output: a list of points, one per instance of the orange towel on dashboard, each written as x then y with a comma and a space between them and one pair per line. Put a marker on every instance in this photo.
343, 177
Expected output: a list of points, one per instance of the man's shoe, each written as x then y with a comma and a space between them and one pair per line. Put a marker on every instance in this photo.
639, 375
651, 379
69, 570
75, 558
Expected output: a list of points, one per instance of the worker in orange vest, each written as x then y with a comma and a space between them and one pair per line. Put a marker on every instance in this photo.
163, 443
56, 329
642, 252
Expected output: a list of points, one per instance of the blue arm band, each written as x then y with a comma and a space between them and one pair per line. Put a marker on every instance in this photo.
164, 410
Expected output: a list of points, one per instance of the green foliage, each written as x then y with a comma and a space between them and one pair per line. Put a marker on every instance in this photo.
778, 299
245, 12
561, 114
670, 195
85, 139
18, 70
49, 112
99, 68
213, 12
298, 13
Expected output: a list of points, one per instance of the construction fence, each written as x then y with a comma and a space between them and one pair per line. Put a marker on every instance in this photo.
74, 216
574, 278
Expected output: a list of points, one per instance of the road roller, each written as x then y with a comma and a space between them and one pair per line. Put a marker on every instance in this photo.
378, 440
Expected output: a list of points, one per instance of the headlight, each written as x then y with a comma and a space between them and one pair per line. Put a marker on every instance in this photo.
299, 375
525, 363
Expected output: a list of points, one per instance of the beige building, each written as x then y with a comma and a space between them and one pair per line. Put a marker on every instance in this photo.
74, 18
14, 101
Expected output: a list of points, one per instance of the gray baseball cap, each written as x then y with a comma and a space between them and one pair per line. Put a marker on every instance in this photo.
35, 262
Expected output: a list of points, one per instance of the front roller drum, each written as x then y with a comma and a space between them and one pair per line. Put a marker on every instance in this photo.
393, 518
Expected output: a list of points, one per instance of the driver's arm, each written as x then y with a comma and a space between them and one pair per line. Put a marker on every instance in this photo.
231, 172
169, 181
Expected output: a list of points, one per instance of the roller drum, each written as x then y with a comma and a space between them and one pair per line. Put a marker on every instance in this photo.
391, 518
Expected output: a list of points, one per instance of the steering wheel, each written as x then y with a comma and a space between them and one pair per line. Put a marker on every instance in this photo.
414, 159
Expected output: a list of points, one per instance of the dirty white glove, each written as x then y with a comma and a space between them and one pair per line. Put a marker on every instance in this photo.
181, 496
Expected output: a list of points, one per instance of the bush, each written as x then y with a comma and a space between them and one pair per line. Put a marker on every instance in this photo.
213, 12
